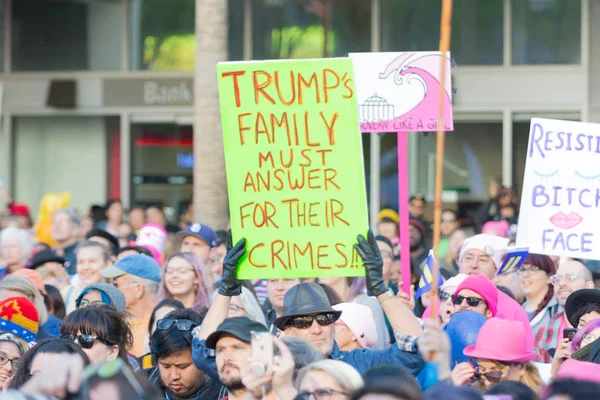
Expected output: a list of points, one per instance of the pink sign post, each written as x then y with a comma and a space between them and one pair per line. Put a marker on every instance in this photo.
399, 92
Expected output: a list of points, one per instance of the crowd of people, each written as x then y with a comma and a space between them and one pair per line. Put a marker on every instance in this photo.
122, 305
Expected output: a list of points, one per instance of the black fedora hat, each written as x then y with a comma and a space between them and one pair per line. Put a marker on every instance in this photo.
577, 300
45, 256
305, 299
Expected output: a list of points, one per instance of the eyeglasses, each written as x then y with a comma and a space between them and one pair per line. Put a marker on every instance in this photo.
121, 284
492, 376
587, 339
319, 394
109, 370
443, 295
4, 359
178, 271
306, 322
448, 221
85, 340
181, 324
86, 302
557, 279
528, 271
386, 253
235, 308
471, 301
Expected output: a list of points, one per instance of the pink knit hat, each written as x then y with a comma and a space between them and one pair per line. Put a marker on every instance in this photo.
579, 370
152, 237
501, 340
483, 286
359, 319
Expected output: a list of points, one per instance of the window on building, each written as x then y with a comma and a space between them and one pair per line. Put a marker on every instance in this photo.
66, 35
87, 175
311, 28
477, 28
546, 31
162, 165
162, 37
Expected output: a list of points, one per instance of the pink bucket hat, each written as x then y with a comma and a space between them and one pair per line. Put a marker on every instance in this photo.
359, 319
152, 237
579, 370
501, 340
483, 286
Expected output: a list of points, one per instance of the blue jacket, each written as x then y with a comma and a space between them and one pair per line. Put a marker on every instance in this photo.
361, 359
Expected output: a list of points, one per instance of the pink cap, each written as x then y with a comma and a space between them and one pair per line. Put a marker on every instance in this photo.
483, 286
498, 228
579, 370
359, 319
152, 237
501, 340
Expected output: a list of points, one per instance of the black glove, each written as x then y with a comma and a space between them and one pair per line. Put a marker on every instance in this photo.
230, 285
369, 252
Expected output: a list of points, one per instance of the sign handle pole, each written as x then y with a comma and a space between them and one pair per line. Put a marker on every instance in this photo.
403, 196
445, 29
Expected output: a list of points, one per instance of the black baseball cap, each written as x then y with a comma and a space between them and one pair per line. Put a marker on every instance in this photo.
240, 327
105, 235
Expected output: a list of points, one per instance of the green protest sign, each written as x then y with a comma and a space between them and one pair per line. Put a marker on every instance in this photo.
294, 163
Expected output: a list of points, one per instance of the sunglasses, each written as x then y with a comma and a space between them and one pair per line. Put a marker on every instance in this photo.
181, 324
471, 301
307, 321
492, 376
86, 341
443, 295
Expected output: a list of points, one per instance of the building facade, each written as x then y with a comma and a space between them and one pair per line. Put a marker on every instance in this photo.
97, 95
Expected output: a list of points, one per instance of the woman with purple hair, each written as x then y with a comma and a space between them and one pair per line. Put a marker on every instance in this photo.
185, 278
585, 336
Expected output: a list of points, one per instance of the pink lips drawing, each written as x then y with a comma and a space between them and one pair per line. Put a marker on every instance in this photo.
564, 221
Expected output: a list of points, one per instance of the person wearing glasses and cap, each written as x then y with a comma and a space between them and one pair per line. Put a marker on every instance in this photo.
172, 349
138, 278
308, 315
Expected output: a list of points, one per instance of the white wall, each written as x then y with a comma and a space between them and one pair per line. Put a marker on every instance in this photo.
58, 154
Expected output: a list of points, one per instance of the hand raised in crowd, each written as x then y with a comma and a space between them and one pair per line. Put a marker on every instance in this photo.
408, 300
58, 379
279, 374
230, 285
463, 374
371, 256
434, 344
563, 351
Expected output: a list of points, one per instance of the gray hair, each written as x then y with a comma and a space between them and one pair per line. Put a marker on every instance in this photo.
71, 212
21, 236
150, 286
252, 307
24, 285
346, 376
303, 351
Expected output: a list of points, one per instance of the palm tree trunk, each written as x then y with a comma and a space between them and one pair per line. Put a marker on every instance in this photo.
210, 185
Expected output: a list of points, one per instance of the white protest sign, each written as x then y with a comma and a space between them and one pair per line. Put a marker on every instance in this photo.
560, 204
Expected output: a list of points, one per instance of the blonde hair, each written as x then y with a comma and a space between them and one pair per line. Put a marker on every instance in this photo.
24, 285
347, 377
531, 378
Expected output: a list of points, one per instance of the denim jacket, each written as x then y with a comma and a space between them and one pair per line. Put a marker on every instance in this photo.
404, 354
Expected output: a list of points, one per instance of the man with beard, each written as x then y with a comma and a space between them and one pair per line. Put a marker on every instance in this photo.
418, 250
570, 277
308, 315
171, 348
231, 343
